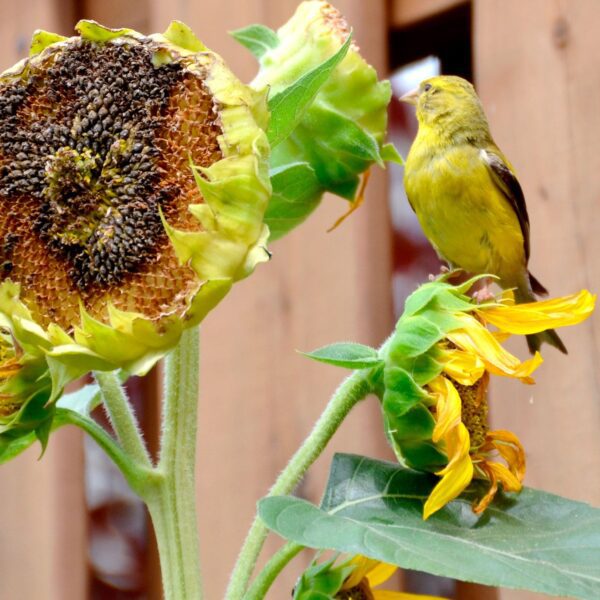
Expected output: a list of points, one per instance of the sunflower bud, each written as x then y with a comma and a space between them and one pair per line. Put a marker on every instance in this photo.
435, 381
340, 133
134, 183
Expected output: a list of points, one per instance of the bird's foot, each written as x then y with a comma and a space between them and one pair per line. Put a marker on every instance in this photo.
484, 294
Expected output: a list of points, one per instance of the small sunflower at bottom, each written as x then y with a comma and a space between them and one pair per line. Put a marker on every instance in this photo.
354, 579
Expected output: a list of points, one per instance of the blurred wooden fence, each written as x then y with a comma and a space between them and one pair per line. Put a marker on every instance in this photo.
537, 66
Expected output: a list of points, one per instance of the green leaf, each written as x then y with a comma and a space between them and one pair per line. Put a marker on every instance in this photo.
389, 153
348, 355
348, 141
535, 541
296, 193
288, 107
257, 38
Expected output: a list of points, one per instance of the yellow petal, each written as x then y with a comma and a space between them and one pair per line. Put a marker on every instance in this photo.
380, 573
456, 475
388, 595
475, 338
464, 367
504, 476
534, 317
511, 450
448, 407
364, 566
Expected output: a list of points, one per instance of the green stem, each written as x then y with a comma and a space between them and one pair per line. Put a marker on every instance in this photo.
122, 418
263, 582
350, 392
138, 477
172, 503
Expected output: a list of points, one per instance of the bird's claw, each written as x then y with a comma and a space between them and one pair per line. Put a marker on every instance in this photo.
484, 294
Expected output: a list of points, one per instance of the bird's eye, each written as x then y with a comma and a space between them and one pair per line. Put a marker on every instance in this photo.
427, 87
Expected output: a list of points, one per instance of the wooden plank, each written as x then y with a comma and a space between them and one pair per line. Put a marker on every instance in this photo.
20, 19
538, 74
116, 13
43, 542
259, 397
404, 13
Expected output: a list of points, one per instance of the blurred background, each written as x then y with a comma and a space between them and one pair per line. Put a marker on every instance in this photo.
70, 529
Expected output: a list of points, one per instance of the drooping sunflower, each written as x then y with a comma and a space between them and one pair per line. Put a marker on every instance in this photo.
435, 384
133, 183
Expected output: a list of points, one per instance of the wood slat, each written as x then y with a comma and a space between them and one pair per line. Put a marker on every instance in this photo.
538, 73
404, 13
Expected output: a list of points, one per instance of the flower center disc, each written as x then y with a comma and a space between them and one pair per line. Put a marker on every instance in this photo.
96, 141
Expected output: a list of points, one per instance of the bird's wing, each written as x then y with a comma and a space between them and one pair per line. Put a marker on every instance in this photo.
505, 179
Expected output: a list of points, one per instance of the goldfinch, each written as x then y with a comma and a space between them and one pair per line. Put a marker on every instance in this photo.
465, 193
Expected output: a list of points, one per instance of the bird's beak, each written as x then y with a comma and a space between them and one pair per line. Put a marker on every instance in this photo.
411, 97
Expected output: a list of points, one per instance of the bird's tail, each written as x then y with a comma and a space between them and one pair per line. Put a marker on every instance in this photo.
525, 293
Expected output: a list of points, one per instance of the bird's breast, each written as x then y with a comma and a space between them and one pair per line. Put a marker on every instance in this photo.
462, 212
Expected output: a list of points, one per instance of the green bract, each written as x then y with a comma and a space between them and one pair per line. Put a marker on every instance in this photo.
412, 361
329, 111
322, 580
147, 196
25, 383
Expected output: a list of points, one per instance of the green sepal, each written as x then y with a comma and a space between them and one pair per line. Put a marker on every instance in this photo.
347, 354
423, 368
42, 39
289, 105
181, 35
401, 391
94, 32
322, 581
257, 38
414, 336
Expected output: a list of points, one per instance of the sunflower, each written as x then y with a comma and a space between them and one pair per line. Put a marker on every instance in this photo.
368, 574
435, 393
134, 184
354, 579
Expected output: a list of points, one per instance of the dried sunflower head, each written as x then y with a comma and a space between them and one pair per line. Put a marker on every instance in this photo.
133, 182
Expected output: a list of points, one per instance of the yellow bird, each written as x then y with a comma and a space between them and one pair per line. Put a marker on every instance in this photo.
465, 193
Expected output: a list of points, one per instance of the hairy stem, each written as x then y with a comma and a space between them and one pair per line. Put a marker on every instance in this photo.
122, 418
172, 503
263, 582
350, 392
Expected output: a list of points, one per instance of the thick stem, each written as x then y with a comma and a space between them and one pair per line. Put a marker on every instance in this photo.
172, 503
122, 418
350, 392
263, 582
